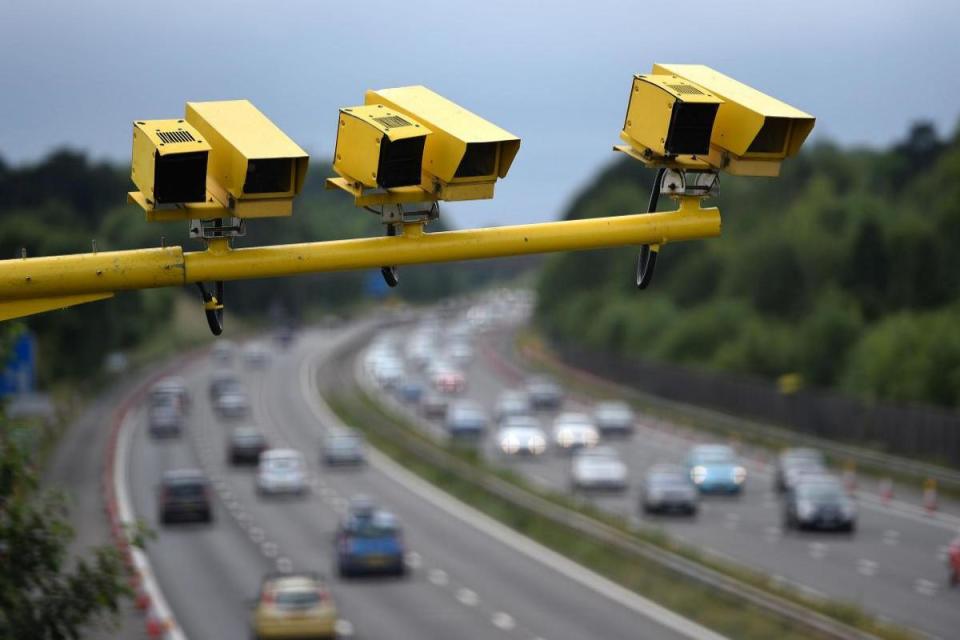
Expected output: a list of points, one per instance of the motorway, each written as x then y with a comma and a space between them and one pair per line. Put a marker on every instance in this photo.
468, 579
894, 565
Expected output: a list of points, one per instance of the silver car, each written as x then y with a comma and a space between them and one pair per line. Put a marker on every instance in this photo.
668, 488
598, 469
573, 431
512, 404
521, 435
614, 417
282, 471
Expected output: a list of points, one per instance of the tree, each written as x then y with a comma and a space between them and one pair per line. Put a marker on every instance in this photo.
41, 597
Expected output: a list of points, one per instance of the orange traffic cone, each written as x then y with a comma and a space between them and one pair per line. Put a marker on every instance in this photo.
886, 490
930, 496
156, 626
850, 476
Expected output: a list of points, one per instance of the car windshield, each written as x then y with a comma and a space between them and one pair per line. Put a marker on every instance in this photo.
283, 464
343, 444
820, 492
376, 526
713, 455
248, 438
667, 480
185, 490
297, 599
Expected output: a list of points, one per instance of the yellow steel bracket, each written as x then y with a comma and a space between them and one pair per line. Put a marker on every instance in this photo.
372, 197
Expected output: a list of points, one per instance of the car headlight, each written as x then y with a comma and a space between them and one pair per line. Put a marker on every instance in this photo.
509, 444
739, 475
565, 438
698, 474
591, 438
805, 509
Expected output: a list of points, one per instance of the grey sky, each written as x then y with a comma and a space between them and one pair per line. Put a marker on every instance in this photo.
554, 73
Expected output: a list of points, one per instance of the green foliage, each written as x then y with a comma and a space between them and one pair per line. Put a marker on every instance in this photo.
842, 270
44, 595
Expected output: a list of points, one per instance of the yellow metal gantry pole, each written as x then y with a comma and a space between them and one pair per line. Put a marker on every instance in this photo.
32, 285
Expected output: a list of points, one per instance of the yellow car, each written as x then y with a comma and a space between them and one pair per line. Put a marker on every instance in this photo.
294, 606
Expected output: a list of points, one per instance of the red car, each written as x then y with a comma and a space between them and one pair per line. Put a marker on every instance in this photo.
953, 561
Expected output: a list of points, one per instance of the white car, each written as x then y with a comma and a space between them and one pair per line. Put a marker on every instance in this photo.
598, 468
521, 435
222, 352
511, 404
388, 372
282, 471
232, 404
256, 355
574, 430
614, 417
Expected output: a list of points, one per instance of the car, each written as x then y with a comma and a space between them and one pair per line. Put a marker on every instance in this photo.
460, 352
598, 469
388, 372
667, 488
343, 448
613, 417
294, 605
409, 391
184, 494
466, 420
544, 393
448, 380
245, 445
222, 382
795, 458
256, 355
521, 435
819, 503
795, 471
511, 404
281, 471
369, 542
284, 336
715, 468
434, 405
222, 352
165, 421
171, 390
953, 561
232, 404
574, 430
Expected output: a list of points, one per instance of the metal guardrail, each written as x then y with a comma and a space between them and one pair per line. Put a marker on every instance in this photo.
600, 531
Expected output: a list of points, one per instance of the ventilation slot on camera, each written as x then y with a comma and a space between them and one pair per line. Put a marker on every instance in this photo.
173, 137
686, 89
391, 122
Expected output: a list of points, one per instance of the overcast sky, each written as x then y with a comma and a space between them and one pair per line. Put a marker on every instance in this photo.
556, 74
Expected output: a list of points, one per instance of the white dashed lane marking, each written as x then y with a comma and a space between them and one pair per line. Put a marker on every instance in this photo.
257, 535
269, 549
925, 587
891, 537
438, 577
284, 564
503, 620
413, 560
467, 597
344, 628
867, 567
817, 550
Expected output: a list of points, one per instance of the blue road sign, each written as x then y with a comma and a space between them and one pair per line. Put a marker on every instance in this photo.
19, 374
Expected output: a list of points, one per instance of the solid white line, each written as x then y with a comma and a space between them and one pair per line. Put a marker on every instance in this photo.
501, 532
140, 559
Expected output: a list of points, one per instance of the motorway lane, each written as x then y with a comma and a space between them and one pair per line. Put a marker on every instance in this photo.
465, 585
893, 565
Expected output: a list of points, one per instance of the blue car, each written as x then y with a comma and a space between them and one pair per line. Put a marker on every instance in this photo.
714, 468
369, 542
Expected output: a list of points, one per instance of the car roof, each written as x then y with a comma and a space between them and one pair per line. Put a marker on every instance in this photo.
246, 431
280, 453
183, 476
606, 405
292, 582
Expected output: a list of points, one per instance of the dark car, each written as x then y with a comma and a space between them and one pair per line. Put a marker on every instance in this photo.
165, 421
433, 405
819, 503
544, 393
409, 391
184, 494
466, 420
795, 459
369, 542
245, 445
667, 488
343, 449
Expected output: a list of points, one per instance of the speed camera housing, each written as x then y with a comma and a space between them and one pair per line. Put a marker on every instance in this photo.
379, 148
169, 162
255, 170
464, 155
753, 133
